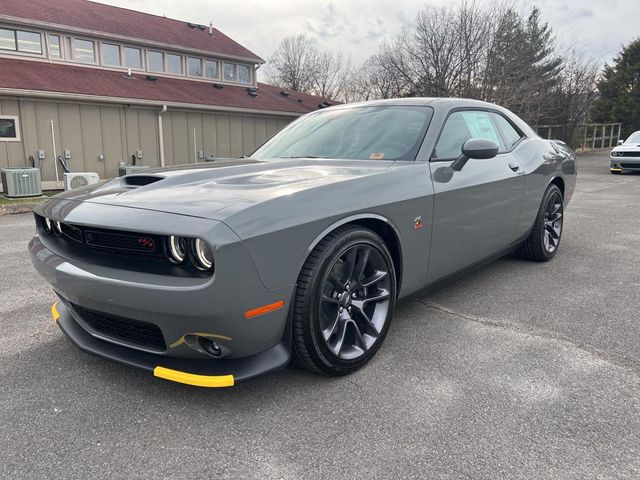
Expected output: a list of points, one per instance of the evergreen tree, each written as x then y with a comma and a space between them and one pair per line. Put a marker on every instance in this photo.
619, 90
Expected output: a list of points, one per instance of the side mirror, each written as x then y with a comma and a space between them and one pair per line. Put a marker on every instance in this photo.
620, 142
478, 148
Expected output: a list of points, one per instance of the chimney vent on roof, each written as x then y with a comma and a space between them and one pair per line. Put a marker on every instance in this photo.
284, 94
210, 28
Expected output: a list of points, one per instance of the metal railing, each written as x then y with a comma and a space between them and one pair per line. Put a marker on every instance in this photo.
588, 136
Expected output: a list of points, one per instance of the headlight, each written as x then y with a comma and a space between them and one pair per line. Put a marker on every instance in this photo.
203, 254
57, 227
177, 249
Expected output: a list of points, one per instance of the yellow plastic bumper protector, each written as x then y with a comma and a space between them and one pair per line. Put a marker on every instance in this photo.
54, 312
615, 169
193, 379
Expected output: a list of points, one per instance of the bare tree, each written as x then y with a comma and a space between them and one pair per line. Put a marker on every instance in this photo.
332, 74
294, 64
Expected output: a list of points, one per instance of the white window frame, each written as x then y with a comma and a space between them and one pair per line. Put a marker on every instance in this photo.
96, 51
16, 120
204, 68
250, 82
183, 72
15, 51
143, 55
39, 33
62, 57
120, 54
201, 67
164, 60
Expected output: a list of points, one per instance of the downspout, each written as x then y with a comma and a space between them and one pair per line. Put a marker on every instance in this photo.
161, 134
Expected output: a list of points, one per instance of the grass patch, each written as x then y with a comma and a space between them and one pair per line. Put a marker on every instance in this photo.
18, 201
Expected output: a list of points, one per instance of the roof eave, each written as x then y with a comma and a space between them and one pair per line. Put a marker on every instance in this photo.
15, 92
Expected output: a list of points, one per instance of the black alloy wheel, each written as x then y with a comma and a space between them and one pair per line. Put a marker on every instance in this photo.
344, 302
544, 239
553, 222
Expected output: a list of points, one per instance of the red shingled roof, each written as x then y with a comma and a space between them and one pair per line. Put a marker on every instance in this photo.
122, 21
59, 78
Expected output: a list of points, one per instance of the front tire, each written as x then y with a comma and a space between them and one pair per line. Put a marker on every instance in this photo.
544, 239
615, 172
344, 302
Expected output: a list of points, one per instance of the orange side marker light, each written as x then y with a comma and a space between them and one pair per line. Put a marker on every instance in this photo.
264, 309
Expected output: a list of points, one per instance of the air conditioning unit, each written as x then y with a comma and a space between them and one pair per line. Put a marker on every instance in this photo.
129, 169
21, 182
78, 180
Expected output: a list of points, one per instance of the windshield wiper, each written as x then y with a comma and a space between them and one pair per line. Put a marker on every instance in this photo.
303, 156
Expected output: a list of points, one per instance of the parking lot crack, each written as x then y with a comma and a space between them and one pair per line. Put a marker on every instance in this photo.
618, 360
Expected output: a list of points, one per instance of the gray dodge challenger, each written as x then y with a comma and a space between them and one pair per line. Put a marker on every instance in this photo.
212, 274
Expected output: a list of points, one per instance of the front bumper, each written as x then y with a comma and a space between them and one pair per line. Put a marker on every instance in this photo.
621, 164
201, 373
226, 306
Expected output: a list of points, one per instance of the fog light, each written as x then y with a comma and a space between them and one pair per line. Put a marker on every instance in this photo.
209, 346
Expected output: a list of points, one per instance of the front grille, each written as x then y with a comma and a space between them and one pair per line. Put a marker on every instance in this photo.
125, 244
140, 333
630, 165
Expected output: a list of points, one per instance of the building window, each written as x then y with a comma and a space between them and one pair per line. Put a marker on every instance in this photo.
110, 54
54, 47
132, 57
9, 129
84, 51
29, 42
210, 69
7, 39
155, 61
174, 64
244, 74
194, 67
230, 72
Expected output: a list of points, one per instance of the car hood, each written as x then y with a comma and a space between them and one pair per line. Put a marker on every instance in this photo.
627, 147
217, 191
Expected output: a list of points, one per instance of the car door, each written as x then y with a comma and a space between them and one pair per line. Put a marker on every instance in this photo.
477, 208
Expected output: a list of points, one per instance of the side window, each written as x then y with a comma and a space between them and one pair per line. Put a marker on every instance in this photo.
460, 127
510, 135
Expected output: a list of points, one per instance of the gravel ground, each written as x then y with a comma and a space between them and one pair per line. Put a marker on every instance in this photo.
519, 370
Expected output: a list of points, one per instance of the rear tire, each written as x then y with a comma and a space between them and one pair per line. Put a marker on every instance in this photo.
544, 239
344, 302
615, 172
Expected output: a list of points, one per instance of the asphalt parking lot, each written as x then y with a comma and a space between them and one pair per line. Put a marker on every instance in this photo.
519, 370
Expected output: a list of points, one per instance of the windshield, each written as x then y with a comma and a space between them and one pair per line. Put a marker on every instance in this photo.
633, 138
359, 133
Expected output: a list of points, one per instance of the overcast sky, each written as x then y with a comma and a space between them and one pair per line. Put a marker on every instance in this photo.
596, 27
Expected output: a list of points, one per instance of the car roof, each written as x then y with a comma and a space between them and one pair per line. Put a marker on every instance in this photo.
447, 102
